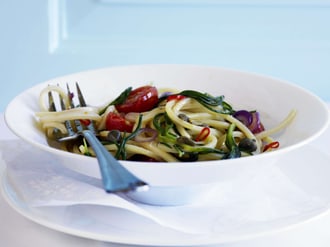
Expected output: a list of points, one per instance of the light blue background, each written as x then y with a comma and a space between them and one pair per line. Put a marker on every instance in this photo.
43, 39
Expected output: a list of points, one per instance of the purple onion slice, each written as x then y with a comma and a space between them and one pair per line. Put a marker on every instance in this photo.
256, 126
244, 116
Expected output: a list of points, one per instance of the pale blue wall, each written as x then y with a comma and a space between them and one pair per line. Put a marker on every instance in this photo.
42, 39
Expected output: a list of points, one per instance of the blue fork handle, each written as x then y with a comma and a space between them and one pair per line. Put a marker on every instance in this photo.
115, 177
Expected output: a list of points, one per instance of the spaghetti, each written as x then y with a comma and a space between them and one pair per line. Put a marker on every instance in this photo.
179, 126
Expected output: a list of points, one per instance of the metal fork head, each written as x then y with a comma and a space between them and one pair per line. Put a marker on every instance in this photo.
115, 177
75, 127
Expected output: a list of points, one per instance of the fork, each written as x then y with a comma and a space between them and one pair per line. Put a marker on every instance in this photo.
115, 177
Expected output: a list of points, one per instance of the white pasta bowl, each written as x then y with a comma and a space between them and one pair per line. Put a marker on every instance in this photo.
182, 182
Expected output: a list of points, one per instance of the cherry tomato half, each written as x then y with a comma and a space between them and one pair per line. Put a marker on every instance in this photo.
116, 121
140, 100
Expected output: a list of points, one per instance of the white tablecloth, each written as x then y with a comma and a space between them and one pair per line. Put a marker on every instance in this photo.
16, 230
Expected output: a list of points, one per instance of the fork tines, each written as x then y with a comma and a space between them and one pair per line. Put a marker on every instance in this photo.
82, 103
116, 178
72, 126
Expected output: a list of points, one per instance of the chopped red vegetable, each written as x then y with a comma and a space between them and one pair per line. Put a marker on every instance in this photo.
205, 132
256, 126
175, 97
271, 145
244, 116
117, 121
85, 122
139, 100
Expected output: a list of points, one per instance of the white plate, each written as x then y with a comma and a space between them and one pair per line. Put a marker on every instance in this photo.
273, 98
307, 167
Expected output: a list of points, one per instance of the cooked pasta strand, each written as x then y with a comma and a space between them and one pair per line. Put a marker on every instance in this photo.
179, 126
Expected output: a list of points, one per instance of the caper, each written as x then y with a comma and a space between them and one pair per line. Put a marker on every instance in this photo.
185, 140
247, 145
114, 136
184, 117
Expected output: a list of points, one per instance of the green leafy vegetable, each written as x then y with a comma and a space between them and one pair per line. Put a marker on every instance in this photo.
234, 151
119, 100
121, 151
207, 100
165, 128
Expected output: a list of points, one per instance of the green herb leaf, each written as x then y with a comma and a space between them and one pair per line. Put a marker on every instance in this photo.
209, 101
164, 126
121, 152
234, 151
119, 100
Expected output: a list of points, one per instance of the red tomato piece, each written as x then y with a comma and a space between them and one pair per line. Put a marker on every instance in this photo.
85, 122
139, 100
116, 121
175, 97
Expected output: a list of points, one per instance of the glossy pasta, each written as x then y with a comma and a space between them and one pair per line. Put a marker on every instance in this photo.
181, 127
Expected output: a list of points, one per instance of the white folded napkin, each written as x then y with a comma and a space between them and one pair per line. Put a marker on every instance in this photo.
266, 196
